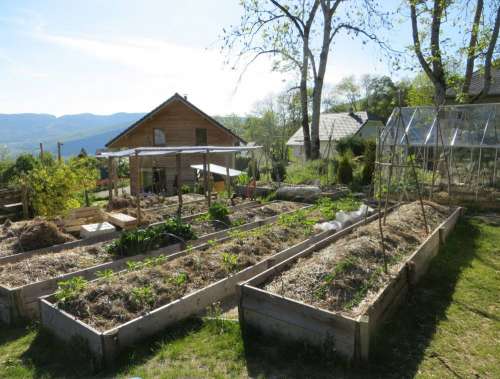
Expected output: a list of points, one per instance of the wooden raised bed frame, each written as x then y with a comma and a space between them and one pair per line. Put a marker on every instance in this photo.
106, 345
103, 238
292, 320
19, 303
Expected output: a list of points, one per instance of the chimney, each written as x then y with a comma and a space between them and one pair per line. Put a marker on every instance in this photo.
185, 96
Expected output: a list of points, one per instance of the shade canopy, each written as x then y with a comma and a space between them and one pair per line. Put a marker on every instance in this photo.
173, 150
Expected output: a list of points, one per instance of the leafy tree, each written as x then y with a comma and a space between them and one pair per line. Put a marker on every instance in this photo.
383, 97
22, 166
86, 173
52, 188
354, 144
350, 90
298, 40
421, 91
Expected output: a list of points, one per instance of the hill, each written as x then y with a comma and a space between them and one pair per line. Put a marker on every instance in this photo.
23, 132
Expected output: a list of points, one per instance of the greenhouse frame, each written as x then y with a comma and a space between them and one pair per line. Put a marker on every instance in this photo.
451, 148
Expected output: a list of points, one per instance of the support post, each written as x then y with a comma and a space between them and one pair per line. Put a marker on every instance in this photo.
228, 178
208, 181
179, 184
59, 144
205, 178
139, 188
115, 177
110, 179
254, 175
41, 151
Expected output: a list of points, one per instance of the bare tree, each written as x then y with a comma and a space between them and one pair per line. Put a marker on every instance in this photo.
429, 18
287, 30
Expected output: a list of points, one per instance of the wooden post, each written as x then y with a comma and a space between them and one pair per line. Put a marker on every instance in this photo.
179, 184
139, 188
205, 177
254, 175
228, 178
41, 151
115, 177
110, 179
59, 144
208, 181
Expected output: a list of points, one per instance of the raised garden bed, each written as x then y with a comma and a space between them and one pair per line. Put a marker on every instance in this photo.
116, 312
9, 246
335, 296
24, 280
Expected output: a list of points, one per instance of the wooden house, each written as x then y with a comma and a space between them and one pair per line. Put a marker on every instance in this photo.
176, 122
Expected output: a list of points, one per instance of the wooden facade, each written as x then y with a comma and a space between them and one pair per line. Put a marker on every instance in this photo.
176, 122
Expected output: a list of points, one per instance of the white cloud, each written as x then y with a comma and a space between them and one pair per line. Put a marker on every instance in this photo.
200, 73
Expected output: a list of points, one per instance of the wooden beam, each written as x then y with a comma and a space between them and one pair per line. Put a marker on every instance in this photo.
179, 184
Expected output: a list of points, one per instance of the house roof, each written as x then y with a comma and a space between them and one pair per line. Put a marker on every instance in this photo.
477, 82
182, 99
336, 126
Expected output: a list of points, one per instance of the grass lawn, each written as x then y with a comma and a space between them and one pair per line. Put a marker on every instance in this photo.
450, 327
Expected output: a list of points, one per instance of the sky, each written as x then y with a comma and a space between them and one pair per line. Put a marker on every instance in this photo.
108, 56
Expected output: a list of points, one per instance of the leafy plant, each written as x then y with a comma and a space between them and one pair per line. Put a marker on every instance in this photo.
68, 290
229, 262
179, 279
142, 296
345, 170
218, 211
104, 274
142, 240
186, 189
298, 219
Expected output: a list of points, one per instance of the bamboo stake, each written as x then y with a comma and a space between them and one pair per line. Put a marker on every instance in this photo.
110, 179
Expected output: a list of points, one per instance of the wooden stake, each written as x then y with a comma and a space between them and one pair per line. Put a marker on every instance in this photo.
115, 177
228, 178
24, 200
179, 184
41, 151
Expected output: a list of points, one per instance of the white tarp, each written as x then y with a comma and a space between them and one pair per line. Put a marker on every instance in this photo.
219, 170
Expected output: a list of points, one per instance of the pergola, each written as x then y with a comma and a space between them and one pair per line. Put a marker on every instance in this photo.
178, 152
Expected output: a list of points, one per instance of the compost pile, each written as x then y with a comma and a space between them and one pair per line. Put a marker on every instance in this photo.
30, 235
109, 302
341, 276
45, 266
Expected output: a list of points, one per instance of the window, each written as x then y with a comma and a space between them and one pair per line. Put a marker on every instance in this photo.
201, 137
159, 137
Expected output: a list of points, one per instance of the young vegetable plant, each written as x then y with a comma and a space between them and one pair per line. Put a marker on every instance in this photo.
104, 274
142, 296
70, 289
218, 211
229, 262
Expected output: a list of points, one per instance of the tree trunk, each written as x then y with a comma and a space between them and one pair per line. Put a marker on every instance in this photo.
304, 98
471, 52
318, 83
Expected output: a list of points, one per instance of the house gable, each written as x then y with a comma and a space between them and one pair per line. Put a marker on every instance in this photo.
178, 119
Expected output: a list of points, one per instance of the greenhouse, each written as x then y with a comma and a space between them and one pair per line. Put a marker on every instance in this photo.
452, 149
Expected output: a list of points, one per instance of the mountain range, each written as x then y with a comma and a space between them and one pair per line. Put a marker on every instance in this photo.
24, 132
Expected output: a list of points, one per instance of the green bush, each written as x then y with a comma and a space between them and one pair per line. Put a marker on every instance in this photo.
307, 172
345, 170
186, 189
278, 171
368, 162
243, 179
353, 143
218, 211
142, 240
